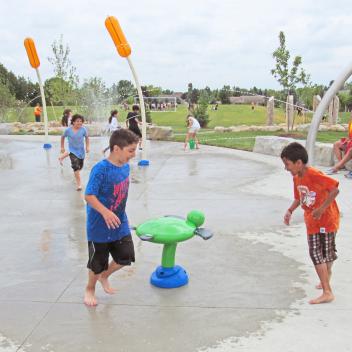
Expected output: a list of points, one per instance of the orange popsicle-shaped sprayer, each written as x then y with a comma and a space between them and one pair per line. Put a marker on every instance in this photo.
113, 27
32, 52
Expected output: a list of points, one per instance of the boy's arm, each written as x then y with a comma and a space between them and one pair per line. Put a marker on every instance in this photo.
111, 219
317, 213
62, 144
87, 144
290, 210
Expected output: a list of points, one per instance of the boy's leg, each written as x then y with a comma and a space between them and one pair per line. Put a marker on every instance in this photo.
89, 296
327, 296
103, 279
78, 180
122, 252
343, 161
337, 150
322, 251
329, 265
186, 140
196, 140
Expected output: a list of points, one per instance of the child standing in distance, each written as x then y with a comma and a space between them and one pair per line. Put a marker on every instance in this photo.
108, 231
316, 194
76, 134
133, 122
66, 118
193, 127
37, 112
113, 125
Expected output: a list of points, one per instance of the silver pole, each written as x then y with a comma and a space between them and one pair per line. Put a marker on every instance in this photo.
141, 102
329, 95
44, 106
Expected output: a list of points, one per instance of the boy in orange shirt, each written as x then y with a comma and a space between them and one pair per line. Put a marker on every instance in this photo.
37, 112
316, 194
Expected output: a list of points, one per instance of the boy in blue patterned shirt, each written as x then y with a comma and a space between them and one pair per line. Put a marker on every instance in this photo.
108, 231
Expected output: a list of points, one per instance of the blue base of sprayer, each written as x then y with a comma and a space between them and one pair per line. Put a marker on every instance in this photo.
143, 162
47, 146
169, 277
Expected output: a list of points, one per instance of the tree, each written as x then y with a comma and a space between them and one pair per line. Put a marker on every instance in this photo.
287, 76
224, 94
201, 111
58, 91
7, 100
122, 91
67, 79
305, 94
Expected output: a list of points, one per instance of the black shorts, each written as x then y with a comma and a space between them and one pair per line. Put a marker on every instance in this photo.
76, 163
136, 131
122, 252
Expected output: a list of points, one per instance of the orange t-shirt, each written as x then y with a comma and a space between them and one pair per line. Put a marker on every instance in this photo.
350, 130
37, 111
312, 190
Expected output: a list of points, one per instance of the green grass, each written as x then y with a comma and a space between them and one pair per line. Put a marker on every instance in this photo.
226, 115
245, 140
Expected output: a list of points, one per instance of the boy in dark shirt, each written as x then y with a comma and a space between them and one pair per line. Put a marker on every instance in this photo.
133, 122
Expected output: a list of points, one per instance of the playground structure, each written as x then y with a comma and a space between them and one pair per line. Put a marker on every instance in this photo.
169, 231
35, 63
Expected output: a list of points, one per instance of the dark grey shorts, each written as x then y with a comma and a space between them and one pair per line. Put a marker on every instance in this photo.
76, 163
322, 248
122, 252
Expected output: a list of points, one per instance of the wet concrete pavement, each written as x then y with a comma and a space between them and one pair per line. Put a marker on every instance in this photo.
249, 285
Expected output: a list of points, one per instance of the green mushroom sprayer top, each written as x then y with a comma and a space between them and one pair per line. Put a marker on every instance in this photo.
170, 229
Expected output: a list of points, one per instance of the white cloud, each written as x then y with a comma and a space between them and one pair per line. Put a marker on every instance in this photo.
205, 42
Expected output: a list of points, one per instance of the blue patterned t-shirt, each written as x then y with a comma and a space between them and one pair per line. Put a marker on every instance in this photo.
109, 183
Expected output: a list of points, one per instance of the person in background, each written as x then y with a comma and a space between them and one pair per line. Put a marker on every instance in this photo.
37, 112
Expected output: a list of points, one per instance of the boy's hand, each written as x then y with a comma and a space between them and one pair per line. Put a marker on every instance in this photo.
287, 217
111, 219
317, 213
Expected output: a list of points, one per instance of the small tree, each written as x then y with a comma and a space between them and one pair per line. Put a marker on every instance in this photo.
7, 101
122, 91
67, 79
201, 111
224, 94
288, 77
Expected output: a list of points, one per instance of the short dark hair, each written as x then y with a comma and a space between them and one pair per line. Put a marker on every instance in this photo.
122, 138
295, 151
135, 107
76, 117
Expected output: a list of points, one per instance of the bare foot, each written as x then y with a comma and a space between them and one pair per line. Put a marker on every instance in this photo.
89, 298
324, 298
319, 286
79, 188
106, 286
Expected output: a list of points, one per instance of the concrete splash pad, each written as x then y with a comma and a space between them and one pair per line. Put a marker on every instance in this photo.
247, 284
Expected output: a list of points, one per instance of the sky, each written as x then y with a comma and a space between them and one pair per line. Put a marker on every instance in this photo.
206, 42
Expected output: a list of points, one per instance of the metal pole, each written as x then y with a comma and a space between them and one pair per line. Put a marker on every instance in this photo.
329, 95
141, 102
46, 145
